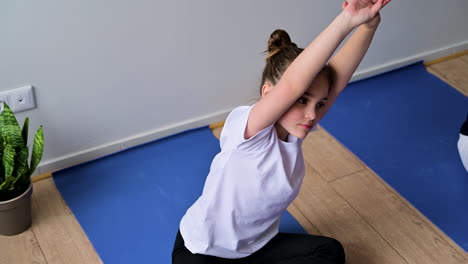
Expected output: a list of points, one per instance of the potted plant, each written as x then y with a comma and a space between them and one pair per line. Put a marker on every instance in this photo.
15, 173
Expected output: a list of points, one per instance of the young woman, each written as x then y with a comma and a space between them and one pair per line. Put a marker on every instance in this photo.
260, 168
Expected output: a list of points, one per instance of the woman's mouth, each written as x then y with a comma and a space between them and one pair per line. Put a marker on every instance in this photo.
306, 126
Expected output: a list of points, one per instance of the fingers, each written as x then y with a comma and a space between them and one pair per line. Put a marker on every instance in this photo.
344, 5
385, 2
377, 6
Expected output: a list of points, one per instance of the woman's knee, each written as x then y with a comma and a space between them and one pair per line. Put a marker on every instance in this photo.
337, 247
333, 250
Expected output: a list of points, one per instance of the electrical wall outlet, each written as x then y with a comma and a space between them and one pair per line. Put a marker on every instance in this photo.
19, 99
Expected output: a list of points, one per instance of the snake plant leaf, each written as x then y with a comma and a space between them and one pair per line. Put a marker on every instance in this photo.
38, 147
2, 170
1, 144
24, 131
9, 127
21, 172
8, 163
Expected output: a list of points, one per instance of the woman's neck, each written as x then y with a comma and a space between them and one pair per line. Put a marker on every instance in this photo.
282, 133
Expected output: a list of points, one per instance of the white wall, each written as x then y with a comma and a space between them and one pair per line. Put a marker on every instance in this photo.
113, 74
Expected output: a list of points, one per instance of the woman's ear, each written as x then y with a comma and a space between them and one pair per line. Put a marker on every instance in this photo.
266, 88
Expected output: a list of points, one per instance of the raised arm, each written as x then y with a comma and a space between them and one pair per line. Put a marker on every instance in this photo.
302, 71
348, 58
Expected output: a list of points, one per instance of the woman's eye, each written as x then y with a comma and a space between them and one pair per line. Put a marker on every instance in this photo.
320, 105
302, 100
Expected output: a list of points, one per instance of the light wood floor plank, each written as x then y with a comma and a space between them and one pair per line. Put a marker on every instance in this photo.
21, 249
334, 217
303, 221
217, 132
328, 156
465, 59
453, 72
423, 218
59, 234
394, 220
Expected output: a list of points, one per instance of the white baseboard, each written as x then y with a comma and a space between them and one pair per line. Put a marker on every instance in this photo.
425, 56
126, 143
116, 146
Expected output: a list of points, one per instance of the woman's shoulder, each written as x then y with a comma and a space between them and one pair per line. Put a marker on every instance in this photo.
238, 114
232, 135
239, 110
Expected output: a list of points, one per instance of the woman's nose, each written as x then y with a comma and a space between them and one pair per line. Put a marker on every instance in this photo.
310, 113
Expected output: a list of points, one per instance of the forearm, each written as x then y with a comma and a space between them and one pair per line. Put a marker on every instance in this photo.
302, 71
348, 58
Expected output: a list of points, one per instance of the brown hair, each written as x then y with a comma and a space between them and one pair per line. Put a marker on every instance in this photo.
281, 53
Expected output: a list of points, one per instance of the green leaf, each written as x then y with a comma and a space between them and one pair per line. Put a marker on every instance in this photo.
38, 147
2, 170
9, 127
8, 163
14, 152
24, 131
21, 172
1, 144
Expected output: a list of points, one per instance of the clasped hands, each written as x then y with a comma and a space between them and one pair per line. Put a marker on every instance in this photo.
364, 11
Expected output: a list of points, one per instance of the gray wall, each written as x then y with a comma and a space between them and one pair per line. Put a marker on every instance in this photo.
113, 74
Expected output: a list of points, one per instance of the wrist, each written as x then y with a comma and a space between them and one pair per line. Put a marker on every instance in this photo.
373, 23
370, 27
345, 22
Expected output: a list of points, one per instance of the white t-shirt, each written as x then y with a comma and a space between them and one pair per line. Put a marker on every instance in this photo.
463, 150
250, 184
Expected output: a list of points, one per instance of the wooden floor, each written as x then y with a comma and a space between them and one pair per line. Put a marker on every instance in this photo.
341, 197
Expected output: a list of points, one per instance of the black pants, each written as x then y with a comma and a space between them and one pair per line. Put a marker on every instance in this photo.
284, 248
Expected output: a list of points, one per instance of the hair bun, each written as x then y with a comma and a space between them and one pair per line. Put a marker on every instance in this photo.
278, 40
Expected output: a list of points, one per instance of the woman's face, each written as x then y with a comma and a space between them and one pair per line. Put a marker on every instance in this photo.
304, 114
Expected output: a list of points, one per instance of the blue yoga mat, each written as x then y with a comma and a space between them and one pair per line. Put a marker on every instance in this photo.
405, 126
130, 203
